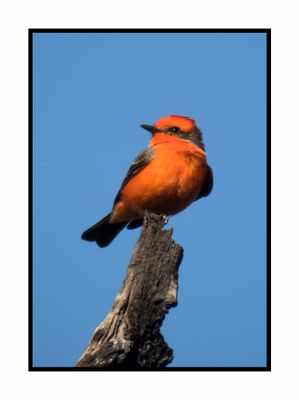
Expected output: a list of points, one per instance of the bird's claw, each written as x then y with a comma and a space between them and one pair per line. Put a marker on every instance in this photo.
165, 219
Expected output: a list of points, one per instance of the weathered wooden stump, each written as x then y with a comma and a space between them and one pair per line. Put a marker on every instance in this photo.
129, 338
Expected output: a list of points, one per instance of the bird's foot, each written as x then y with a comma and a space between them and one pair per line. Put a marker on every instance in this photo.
157, 217
165, 218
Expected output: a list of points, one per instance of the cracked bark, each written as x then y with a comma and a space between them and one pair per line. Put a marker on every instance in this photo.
129, 337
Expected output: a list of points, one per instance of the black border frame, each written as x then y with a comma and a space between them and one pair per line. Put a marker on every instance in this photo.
267, 31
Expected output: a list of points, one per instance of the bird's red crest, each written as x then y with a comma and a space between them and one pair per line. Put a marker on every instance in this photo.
184, 123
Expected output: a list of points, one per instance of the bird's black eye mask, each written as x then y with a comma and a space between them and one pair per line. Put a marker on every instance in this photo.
195, 137
174, 129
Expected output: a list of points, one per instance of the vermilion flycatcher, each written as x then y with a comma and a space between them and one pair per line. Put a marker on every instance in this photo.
165, 178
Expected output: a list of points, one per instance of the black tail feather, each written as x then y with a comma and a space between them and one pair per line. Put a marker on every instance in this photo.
136, 223
103, 232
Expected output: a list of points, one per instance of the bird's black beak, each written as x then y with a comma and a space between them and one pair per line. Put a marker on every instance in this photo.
150, 128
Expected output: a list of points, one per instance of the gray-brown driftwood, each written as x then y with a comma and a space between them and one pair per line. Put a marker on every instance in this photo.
129, 337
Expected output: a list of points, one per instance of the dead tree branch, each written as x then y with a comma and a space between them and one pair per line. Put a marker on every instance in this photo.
129, 337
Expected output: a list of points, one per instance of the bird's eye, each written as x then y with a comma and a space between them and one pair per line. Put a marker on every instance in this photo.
174, 129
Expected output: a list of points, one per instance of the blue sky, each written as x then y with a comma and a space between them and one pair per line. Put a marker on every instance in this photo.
90, 94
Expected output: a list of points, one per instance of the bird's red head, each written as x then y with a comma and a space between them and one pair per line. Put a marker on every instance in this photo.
178, 126
184, 124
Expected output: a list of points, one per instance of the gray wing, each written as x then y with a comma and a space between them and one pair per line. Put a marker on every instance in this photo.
139, 163
208, 185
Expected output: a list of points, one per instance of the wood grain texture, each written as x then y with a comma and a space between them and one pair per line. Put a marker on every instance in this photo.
129, 338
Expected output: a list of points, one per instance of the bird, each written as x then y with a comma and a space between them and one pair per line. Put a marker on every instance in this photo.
165, 178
